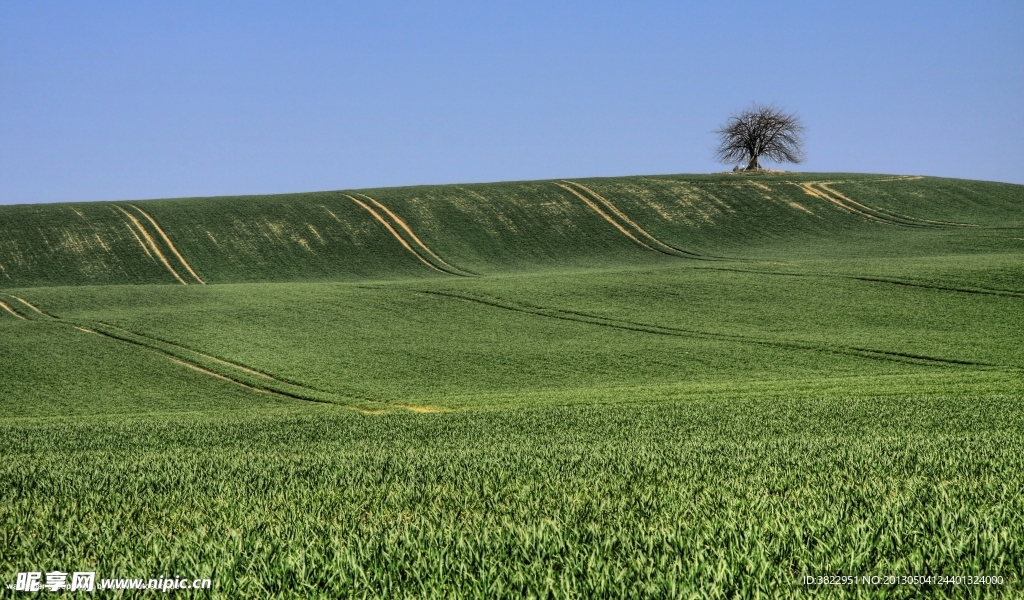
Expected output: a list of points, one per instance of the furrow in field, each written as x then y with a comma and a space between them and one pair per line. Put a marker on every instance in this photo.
152, 244
31, 306
395, 234
169, 243
14, 313
622, 324
422, 247
624, 218
179, 350
605, 216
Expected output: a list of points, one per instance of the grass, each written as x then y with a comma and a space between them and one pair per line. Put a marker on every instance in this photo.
744, 393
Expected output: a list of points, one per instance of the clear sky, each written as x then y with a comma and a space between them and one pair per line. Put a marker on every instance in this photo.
123, 100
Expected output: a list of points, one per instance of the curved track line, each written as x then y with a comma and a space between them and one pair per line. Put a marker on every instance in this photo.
4, 306
218, 375
141, 243
149, 344
915, 284
210, 357
810, 190
880, 215
581, 317
824, 186
409, 230
28, 304
152, 244
170, 244
182, 361
608, 204
864, 209
394, 233
595, 208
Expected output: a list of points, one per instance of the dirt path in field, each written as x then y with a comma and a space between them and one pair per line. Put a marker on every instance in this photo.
423, 248
6, 307
395, 234
622, 221
152, 244
170, 244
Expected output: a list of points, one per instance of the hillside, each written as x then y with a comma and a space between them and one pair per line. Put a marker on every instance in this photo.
674, 386
453, 230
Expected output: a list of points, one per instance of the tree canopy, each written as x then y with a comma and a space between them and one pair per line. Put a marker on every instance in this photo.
761, 131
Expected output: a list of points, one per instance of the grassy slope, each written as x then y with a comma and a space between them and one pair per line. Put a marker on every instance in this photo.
502, 227
444, 342
843, 395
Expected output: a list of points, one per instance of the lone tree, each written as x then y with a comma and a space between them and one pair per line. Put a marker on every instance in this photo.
761, 131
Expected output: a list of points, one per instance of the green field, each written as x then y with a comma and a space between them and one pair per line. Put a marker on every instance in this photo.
672, 386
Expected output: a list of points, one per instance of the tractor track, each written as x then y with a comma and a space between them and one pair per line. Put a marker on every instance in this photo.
625, 325
660, 245
394, 233
414, 240
822, 191
622, 222
169, 243
13, 312
888, 280
185, 356
152, 244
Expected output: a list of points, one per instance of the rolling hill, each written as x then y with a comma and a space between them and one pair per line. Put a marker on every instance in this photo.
670, 386
499, 228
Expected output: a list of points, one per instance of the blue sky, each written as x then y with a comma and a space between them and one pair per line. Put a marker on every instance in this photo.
112, 100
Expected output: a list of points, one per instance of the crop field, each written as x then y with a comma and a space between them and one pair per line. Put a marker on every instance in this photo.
664, 386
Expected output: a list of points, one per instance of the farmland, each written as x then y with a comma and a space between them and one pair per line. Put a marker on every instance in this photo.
679, 386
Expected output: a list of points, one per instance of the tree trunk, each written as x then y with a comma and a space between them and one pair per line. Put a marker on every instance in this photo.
753, 165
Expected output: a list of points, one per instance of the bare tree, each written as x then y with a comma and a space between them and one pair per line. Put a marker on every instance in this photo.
761, 131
